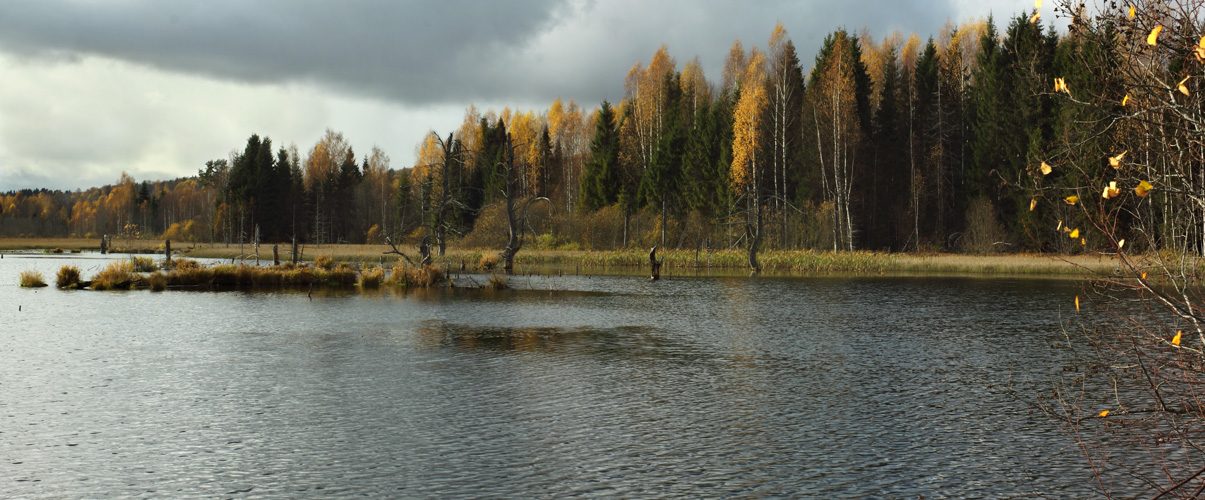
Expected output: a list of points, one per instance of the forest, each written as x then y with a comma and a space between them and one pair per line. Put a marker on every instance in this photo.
887, 144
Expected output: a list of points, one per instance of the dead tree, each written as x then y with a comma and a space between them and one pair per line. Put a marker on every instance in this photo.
398, 251
655, 265
514, 223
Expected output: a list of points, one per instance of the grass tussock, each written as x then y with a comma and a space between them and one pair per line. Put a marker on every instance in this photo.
67, 277
421, 277
498, 283
157, 281
325, 262
31, 279
117, 275
143, 264
372, 278
489, 261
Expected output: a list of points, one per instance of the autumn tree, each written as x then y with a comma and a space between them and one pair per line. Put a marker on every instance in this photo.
747, 169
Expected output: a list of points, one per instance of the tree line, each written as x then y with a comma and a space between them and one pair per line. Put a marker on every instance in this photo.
892, 144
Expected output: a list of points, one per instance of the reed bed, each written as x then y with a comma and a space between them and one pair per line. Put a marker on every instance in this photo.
31, 279
372, 278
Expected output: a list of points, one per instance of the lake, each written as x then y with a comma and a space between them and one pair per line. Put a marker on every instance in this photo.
607, 386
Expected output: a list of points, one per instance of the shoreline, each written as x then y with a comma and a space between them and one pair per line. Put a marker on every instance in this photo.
633, 261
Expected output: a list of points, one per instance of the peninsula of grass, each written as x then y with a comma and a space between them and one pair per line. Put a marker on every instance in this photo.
635, 260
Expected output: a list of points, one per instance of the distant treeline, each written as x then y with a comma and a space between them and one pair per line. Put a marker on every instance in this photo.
896, 144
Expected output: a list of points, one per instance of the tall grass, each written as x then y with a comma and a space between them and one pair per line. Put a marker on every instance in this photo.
372, 278
117, 275
143, 264
68, 277
31, 279
422, 277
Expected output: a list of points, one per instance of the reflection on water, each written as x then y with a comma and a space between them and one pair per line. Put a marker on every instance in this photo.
570, 386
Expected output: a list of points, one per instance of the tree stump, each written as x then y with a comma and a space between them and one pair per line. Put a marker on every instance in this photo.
654, 264
167, 254
104, 244
276, 255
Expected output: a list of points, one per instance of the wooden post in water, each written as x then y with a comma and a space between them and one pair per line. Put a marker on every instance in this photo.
167, 254
654, 264
294, 250
104, 244
276, 254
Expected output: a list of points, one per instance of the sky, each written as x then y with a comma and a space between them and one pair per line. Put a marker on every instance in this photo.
93, 88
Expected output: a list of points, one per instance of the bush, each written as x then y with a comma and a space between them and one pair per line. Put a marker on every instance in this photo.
68, 277
31, 279
498, 283
118, 274
983, 230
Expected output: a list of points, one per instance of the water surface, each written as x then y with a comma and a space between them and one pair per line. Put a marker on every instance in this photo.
573, 386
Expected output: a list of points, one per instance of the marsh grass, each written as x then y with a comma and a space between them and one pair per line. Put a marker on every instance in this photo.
143, 264
498, 283
157, 281
421, 277
67, 277
118, 275
488, 261
31, 279
372, 278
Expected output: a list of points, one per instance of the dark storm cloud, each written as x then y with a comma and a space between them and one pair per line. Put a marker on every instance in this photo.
427, 52
402, 50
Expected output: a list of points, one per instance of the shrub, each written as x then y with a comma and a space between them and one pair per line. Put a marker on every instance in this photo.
498, 283
31, 279
68, 277
118, 274
983, 229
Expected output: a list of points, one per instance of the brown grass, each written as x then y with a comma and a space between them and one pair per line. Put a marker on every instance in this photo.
117, 275
31, 279
68, 277
372, 278
422, 277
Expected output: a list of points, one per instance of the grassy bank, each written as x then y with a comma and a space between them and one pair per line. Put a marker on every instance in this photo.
801, 262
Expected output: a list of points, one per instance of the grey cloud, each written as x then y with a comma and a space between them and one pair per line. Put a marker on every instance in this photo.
451, 52
398, 50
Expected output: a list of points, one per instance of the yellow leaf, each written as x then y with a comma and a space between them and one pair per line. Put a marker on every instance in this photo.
1075, 233
1125, 100
1060, 85
1046, 169
1083, 241
1034, 17
1121, 243
1065, 230
1143, 189
1072, 200
1115, 161
1199, 50
1153, 38
1112, 191
1176, 339
1144, 275
1131, 12
1180, 86
1033, 203
1103, 414
1077, 303
1037, 4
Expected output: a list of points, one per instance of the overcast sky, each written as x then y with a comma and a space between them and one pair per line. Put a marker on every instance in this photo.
91, 88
